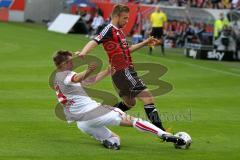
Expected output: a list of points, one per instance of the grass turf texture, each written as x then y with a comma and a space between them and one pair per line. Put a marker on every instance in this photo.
29, 129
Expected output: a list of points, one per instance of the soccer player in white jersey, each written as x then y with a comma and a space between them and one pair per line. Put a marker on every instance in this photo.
92, 117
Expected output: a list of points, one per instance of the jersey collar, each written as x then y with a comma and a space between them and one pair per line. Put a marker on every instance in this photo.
115, 26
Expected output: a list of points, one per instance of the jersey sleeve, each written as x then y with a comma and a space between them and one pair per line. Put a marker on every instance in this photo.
69, 78
165, 18
151, 18
104, 34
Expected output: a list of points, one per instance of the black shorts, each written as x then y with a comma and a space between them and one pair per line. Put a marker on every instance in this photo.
127, 82
157, 32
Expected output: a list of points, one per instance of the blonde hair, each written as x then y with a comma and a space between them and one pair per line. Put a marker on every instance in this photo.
119, 8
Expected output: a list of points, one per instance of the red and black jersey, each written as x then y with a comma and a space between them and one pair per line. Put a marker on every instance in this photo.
116, 46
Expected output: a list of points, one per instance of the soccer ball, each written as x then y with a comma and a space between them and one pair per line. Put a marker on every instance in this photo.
186, 137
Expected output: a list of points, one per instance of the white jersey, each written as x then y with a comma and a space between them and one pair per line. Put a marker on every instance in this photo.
72, 95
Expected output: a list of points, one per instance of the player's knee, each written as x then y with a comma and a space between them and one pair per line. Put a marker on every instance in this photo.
149, 100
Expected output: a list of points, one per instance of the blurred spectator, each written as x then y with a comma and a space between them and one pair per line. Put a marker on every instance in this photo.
199, 31
181, 3
216, 4
156, 2
226, 4
148, 1
192, 3
219, 24
235, 4
99, 11
226, 40
190, 34
146, 28
177, 32
85, 20
97, 22
87, 17
174, 32
207, 4
83, 25
119, 1
170, 33
200, 3
236, 28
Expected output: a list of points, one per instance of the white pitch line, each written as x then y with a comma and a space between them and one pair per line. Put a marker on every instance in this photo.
236, 69
206, 68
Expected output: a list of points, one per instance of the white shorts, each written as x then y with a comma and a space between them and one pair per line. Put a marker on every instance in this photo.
97, 127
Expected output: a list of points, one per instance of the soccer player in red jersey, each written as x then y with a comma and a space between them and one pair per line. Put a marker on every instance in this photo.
130, 86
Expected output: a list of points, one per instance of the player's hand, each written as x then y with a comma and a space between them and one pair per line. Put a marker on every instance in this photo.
151, 41
111, 70
80, 54
92, 67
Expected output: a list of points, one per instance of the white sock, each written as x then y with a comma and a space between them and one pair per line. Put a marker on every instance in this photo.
145, 126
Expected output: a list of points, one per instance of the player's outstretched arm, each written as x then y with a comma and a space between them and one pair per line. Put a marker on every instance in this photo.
150, 41
87, 48
99, 76
79, 77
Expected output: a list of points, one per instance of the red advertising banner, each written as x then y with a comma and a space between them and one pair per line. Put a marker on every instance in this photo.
18, 5
4, 14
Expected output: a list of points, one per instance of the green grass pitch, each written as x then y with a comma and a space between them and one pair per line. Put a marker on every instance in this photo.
205, 102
